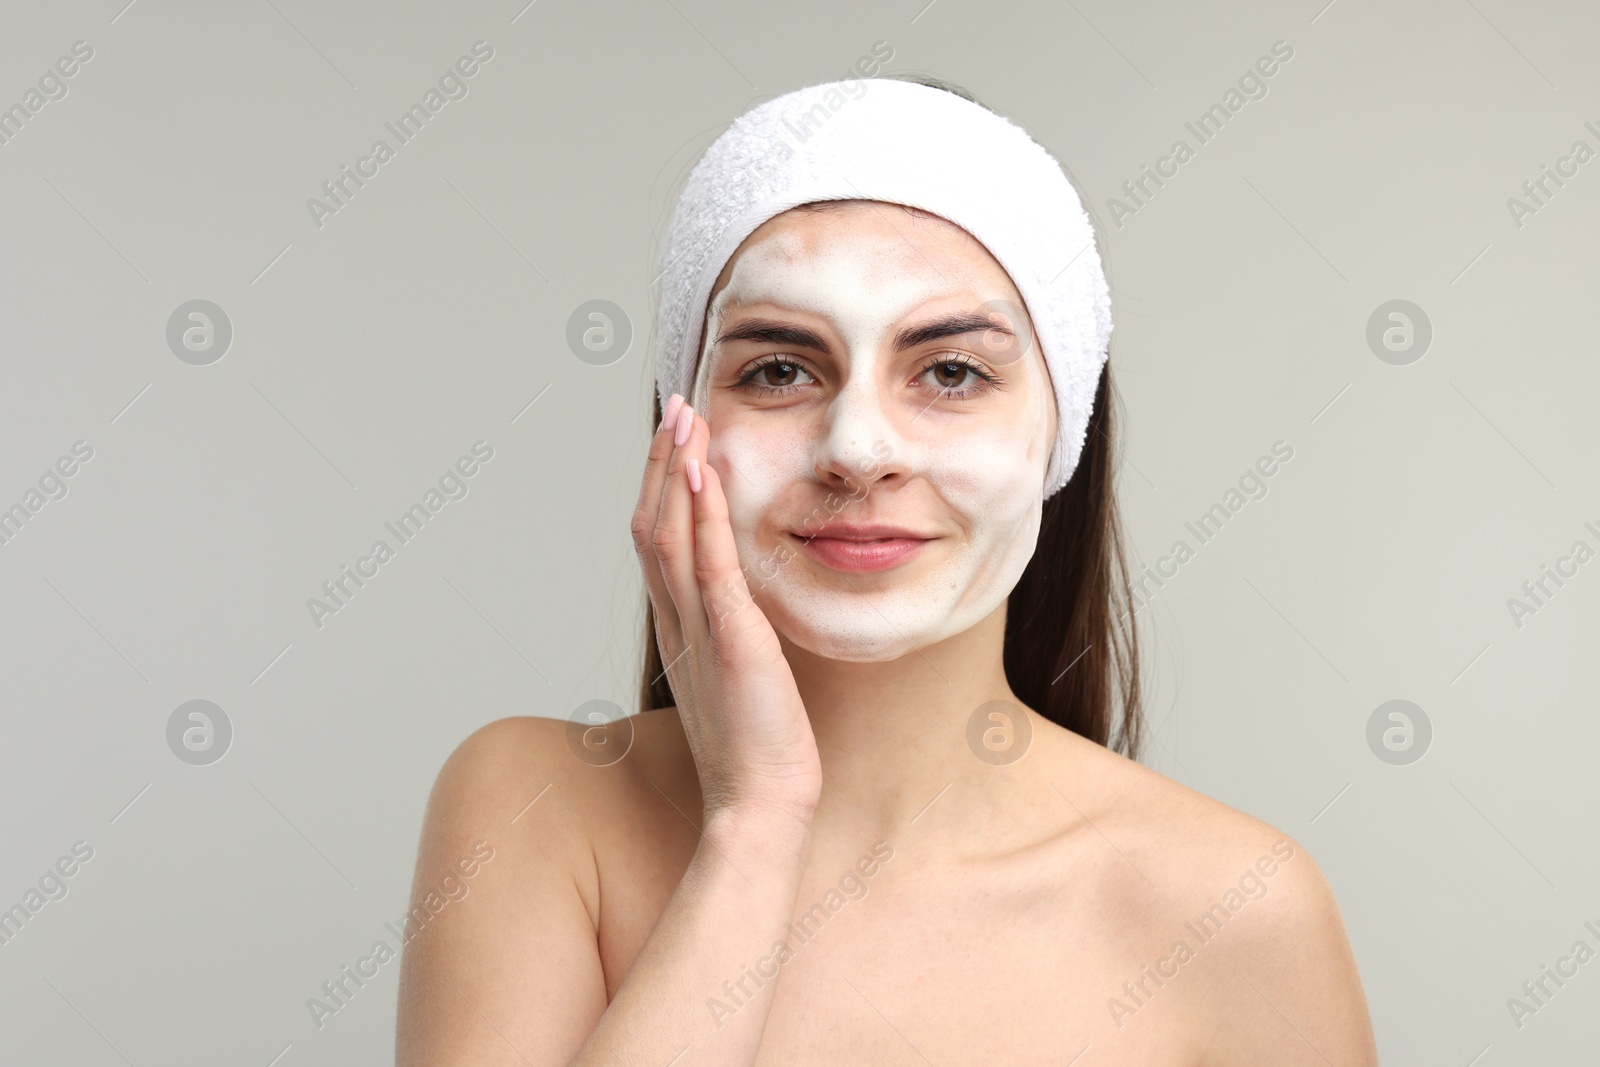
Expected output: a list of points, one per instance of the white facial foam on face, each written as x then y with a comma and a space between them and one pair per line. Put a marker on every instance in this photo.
976, 477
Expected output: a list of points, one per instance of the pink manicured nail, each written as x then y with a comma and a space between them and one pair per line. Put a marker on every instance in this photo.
691, 467
670, 418
685, 425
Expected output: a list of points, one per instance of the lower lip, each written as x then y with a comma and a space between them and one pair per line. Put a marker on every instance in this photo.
862, 555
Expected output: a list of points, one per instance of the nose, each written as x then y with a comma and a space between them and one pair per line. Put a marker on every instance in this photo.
860, 445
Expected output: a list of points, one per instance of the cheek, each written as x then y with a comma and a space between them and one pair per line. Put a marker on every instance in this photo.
988, 476
756, 465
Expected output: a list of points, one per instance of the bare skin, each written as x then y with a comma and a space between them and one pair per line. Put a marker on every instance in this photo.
947, 909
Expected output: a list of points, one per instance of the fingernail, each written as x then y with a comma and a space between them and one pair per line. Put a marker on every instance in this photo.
670, 418
684, 425
691, 467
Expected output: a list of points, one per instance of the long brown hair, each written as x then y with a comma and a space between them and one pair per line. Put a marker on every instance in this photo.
1071, 646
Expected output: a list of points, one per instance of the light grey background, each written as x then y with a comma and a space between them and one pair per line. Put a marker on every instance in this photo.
432, 310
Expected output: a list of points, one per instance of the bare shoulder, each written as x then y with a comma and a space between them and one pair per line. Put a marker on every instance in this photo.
501, 771
507, 784
1190, 839
527, 810
497, 756
516, 744
517, 769
1235, 899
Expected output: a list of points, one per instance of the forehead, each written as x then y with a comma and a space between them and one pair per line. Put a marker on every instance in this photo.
865, 245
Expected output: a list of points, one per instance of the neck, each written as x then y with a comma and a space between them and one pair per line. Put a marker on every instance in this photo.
892, 734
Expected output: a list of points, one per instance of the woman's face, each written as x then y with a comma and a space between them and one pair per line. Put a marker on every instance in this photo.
883, 450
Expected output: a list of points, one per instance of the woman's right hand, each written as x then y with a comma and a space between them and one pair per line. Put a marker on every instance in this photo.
741, 711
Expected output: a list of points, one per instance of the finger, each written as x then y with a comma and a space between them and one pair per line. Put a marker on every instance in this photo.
724, 591
674, 533
643, 526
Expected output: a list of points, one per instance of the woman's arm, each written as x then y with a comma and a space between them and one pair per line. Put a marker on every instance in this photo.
511, 972
524, 965
1289, 992
732, 905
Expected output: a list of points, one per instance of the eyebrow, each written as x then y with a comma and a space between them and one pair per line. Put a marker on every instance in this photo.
782, 333
948, 326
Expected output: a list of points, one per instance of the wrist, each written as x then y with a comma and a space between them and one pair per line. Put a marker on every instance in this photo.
768, 829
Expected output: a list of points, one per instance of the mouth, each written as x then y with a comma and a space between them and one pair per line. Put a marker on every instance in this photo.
862, 548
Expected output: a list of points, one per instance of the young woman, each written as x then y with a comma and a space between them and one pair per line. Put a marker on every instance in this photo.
872, 811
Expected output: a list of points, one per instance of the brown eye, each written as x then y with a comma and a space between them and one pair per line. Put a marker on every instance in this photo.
773, 376
778, 374
957, 379
950, 375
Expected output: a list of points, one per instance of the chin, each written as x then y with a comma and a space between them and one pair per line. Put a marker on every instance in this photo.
852, 642
883, 623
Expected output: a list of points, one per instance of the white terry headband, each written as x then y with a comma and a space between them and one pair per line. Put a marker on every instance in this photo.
901, 143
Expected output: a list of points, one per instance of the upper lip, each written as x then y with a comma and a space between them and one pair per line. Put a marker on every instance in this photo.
840, 531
